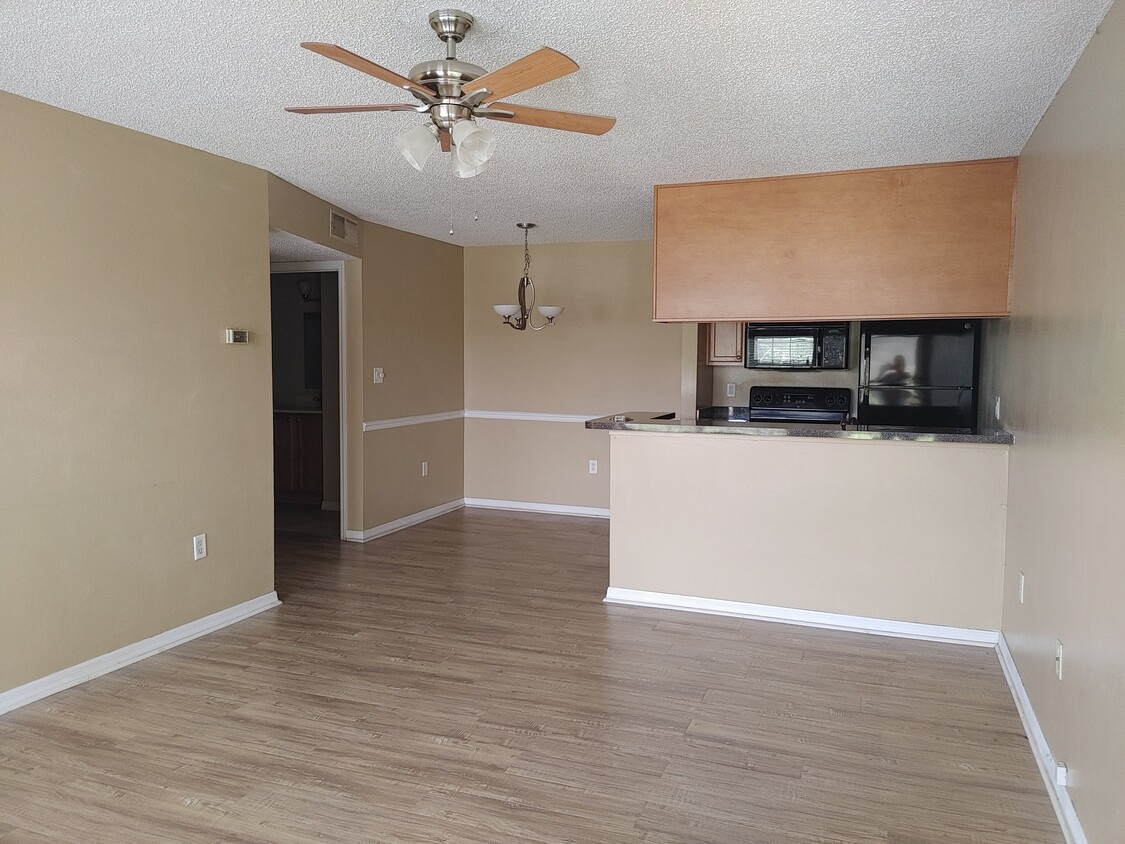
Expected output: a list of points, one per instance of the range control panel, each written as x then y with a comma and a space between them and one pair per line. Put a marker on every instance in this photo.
801, 398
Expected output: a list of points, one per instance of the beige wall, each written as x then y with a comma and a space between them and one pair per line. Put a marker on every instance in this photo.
543, 462
1061, 382
129, 424
298, 212
393, 478
906, 531
604, 355
413, 301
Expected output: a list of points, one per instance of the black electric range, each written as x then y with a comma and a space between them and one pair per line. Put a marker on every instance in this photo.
800, 404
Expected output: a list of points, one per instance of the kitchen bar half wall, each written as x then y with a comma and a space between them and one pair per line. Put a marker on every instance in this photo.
900, 529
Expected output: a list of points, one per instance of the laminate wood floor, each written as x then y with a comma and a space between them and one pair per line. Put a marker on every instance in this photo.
461, 681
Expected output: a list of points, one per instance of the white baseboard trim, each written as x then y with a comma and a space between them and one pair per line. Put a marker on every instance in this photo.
807, 618
333, 506
404, 522
104, 664
1060, 798
536, 507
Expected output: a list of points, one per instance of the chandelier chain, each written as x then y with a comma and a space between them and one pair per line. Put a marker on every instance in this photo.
526, 257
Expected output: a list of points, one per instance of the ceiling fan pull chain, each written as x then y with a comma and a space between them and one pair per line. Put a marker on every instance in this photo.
451, 183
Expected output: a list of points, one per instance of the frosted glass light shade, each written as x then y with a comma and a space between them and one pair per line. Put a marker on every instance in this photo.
466, 171
507, 310
416, 144
473, 144
549, 311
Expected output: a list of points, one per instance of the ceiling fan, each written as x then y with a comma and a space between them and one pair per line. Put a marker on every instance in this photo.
455, 93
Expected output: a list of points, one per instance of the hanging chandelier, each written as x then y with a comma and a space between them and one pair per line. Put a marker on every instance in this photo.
519, 316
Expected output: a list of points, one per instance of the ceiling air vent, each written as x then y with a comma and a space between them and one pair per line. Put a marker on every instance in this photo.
343, 228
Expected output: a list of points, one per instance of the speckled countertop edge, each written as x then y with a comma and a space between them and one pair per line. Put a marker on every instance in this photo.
645, 421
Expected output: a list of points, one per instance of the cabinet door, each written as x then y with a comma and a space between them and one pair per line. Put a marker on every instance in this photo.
310, 462
283, 453
923, 241
724, 342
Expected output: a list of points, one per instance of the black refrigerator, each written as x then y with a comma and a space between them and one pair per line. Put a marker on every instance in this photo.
920, 374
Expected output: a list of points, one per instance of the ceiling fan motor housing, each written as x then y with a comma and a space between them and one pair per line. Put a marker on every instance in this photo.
445, 76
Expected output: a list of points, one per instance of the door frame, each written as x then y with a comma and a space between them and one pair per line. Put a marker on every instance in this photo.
338, 268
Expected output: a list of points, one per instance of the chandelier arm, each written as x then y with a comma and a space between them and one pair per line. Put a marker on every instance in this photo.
521, 296
531, 309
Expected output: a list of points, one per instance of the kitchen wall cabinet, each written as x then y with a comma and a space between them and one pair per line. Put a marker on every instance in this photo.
920, 241
298, 461
724, 343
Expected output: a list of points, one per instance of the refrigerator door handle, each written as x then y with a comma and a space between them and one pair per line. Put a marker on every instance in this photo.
913, 389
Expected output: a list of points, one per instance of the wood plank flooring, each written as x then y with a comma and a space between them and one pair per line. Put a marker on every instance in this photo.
461, 681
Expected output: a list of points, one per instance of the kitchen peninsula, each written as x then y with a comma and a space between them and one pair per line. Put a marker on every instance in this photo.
898, 532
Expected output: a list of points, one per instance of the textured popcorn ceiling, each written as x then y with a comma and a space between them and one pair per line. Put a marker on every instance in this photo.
713, 90
288, 247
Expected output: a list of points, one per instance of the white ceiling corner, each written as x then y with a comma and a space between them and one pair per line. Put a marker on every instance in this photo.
712, 90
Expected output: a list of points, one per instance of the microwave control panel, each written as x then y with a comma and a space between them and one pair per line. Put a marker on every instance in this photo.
834, 349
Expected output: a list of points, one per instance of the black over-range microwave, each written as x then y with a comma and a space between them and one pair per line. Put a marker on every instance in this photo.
789, 346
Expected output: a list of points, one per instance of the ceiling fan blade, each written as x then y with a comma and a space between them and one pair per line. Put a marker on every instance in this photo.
569, 121
346, 109
443, 137
533, 69
339, 54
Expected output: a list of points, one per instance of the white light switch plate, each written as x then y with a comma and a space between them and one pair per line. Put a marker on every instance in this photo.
378, 375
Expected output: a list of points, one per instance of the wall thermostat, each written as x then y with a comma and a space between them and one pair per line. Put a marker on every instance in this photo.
238, 336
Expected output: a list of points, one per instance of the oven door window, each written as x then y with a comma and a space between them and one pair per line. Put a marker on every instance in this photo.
781, 351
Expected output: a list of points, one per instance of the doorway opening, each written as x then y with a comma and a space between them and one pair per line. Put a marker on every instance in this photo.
310, 469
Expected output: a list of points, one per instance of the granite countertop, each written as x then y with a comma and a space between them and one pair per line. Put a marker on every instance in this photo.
656, 422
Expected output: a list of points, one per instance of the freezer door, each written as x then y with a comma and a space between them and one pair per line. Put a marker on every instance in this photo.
917, 407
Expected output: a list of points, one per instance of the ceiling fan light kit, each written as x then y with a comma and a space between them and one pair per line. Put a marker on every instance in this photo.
519, 316
455, 94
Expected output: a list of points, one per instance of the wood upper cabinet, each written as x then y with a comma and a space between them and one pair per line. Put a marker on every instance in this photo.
724, 342
922, 241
